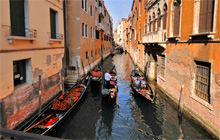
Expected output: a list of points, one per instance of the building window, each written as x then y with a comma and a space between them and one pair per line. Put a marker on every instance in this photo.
90, 10
82, 4
176, 18
86, 30
158, 19
91, 53
206, 16
145, 26
162, 65
139, 33
100, 19
140, 7
202, 84
95, 52
83, 30
53, 24
19, 68
165, 16
91, 32
97, 34
17, 16
85, 5
22, 70
87, 56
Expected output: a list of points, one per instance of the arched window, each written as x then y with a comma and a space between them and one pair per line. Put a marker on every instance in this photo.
176, 17
154, 21
158, 19
149, 23
165, 16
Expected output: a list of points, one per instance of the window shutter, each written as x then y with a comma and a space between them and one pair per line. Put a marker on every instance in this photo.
158, 23
210, 14
154, 25
202, 16
176, 23
17, 17
164, 21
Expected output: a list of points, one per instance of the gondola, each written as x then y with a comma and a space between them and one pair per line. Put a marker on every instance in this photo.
146, 92
110, 93
57, 110
96, 75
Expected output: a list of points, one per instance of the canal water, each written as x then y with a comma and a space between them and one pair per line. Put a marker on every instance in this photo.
133, 118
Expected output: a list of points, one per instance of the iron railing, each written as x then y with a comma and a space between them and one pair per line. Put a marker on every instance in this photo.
16, 31
56, 36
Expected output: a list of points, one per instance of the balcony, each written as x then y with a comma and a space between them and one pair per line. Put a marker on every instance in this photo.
96, 4
101, 11
55, 37
151, 3
155, 37
14, 33
101, 26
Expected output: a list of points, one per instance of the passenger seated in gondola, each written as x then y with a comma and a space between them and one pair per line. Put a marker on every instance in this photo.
142, 83
135, 72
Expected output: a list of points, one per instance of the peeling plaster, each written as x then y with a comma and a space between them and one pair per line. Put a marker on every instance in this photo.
37, 72
217, 79
48, 60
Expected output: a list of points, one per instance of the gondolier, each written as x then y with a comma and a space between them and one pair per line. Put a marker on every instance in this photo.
107, 79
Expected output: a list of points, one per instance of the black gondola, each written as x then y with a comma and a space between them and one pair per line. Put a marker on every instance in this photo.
57, 110
110, 93
146, 92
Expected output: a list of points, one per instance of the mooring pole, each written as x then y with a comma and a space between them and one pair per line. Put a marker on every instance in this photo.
77, 69
180, 106
83, 67
39, 93
63, 80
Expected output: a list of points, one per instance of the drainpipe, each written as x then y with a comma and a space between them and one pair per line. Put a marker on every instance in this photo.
66, 36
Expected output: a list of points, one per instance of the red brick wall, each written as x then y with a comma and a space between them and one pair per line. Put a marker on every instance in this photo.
24, 102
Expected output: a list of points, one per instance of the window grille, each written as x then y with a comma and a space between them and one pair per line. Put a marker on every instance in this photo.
202, 85
162, 66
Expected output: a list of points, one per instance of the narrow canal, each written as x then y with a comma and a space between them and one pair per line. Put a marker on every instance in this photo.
133, 118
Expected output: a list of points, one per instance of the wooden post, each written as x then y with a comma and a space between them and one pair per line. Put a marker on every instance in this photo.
89, 65
83, 67
39, 93
181, 136
62, 80
77, 69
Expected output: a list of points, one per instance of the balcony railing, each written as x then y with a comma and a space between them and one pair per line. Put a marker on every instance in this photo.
150, 3
56, 37
15, 33
155, 37
101, 11
101, 26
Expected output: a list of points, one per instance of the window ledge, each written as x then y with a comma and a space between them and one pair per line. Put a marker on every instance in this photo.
176, 38
11, 38
55, 40
206, 34
21, 86
202, 102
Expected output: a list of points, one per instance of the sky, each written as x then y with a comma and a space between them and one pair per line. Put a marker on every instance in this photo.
118, 9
